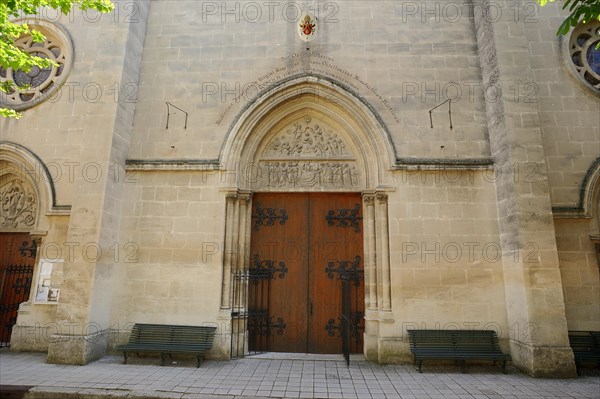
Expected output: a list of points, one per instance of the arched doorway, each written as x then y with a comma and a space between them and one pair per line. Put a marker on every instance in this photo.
19, 213
304, 158
27, 201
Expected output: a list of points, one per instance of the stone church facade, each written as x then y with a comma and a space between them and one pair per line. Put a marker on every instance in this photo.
448, 153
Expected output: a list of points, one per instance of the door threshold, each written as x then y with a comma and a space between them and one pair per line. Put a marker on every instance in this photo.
355, 357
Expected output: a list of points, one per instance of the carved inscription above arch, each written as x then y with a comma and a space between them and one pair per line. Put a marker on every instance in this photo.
308, 154
18, 203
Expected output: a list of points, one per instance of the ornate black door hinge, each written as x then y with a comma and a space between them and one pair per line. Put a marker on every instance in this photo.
354, 325
348, 270
260, 323
345, 218
267, 269
268, 217
28, 249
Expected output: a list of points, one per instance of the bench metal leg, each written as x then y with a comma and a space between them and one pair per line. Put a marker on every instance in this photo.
162, 359
198, 360
504, 366
463, 366
420, 365
124, 357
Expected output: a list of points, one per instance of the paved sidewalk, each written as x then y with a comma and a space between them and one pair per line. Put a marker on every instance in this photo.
276, 378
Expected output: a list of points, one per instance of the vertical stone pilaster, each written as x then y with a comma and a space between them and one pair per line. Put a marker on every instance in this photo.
83, 312
533, 287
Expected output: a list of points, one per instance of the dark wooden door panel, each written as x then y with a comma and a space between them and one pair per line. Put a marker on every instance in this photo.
284, 242
337, 238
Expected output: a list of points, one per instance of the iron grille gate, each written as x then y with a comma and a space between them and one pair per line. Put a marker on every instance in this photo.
350, 326
251, 293
15, 288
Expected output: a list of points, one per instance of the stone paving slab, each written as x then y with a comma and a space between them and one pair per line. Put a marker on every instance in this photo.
270, 377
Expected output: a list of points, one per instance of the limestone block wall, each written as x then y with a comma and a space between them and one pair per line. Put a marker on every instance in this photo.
173, 227
570, 125
214, 58
446, 261
580, 273
81, 135
58, 130
568, 110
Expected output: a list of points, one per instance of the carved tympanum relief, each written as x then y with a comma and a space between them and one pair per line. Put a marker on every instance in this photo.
308, 154
307, 139
18, 204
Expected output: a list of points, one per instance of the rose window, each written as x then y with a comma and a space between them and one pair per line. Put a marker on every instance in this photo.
584, 54
34, 86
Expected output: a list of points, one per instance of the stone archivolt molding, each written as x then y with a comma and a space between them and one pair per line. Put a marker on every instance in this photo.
307, 154
18, 203
39, 83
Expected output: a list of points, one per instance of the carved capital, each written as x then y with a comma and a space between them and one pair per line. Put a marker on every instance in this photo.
231, 198
369, 199
382, 198
244, 197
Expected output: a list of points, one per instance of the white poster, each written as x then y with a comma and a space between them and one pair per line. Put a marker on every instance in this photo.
49, 279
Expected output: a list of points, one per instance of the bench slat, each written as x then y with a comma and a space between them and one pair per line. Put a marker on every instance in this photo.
585, 346
458, 345
166, 339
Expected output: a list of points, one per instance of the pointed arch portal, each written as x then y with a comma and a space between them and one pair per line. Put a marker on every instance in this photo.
306, 144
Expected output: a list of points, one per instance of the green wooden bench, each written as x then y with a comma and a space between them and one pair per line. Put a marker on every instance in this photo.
169, 339
586, 347
457, 345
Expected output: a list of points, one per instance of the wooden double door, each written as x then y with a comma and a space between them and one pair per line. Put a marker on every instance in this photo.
305, 248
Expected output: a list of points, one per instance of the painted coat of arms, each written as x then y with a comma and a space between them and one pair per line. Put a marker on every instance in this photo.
307, 27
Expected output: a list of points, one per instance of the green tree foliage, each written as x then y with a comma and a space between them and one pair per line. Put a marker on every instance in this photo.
13, 57
581, 11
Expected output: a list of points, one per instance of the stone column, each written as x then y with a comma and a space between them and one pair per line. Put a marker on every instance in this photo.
370, 249
228, 258
534, 298
383, 258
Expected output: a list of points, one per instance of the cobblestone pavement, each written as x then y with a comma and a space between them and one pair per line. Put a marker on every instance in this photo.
272, 377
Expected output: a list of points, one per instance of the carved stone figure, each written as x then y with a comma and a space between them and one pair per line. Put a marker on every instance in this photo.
307, 139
